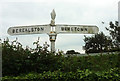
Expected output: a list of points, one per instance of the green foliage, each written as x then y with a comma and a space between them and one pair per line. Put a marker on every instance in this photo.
114, 31
98, 43
79, 75
17, 61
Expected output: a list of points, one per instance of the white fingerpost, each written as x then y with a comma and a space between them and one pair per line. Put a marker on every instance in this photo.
52, 30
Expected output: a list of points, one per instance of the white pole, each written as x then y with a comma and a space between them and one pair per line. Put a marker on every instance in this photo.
53, 46
52, 37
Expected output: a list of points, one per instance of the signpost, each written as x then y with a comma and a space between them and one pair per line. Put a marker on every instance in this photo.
52, 30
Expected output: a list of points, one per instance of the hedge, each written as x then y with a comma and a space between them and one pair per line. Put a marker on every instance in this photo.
79, 75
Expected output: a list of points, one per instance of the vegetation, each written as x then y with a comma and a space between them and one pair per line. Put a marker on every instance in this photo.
79, 75
39, 63
114, 30
98, 43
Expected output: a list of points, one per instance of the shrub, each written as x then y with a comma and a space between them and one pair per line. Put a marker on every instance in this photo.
80, 75
17, 60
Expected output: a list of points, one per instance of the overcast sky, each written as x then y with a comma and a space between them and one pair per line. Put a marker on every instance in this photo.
71, 12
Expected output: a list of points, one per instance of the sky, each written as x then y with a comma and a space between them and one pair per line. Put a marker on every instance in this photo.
71, 12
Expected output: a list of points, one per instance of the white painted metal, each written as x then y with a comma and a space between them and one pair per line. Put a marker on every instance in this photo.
77, 29
53, 15
33, 29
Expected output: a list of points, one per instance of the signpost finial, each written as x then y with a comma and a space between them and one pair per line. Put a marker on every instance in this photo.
53, 15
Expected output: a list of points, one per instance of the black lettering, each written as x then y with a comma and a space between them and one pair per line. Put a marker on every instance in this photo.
81, 29
38, 29
62, 29
71, 29
68, 28
13, 31
23, 30
85, 29
35, 29
16, 30
32, 29
78, 29
26, 30
42, 29
65, 28
19, 30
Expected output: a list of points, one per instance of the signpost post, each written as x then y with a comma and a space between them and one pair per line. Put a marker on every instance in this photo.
52, 30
